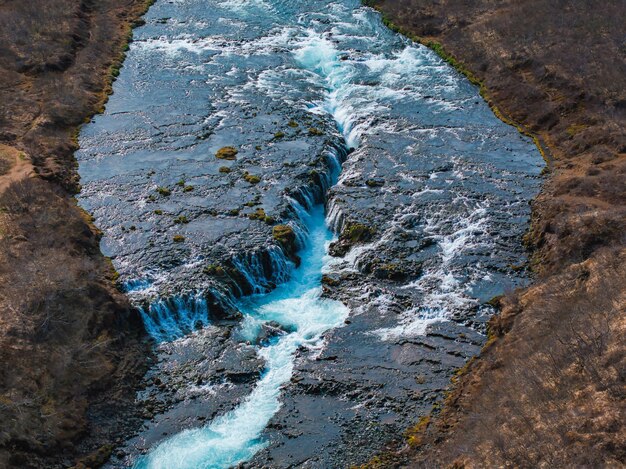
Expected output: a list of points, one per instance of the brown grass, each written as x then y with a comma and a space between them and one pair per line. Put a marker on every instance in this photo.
70, 347
551, 391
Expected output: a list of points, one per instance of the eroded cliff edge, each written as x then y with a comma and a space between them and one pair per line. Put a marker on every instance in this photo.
71, 348
548, 387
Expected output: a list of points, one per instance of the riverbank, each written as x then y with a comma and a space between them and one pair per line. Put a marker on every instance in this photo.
71, 347
547, 388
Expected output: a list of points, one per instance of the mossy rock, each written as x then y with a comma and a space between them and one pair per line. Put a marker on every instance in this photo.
188, 188
178, 238
374, 183
389, 272
279, 135
251, 178
293, 124
262, 216
314, 131
286, 237
352, 234
258, 215
164, 191
158, 212
181, 183
358, 232
226, 153
215, 270
225, 169
234, 212
182, 219
496, 301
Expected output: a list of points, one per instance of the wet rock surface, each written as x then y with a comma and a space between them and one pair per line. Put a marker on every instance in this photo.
361, 392
194, 379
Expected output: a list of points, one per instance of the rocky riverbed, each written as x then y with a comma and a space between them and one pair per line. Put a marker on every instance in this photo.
227, 128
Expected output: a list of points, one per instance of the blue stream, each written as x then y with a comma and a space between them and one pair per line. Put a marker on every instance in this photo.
296, 305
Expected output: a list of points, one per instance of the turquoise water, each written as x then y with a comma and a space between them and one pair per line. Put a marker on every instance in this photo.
298, 307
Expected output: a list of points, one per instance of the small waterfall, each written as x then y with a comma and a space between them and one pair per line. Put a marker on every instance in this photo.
169, 318
262, 269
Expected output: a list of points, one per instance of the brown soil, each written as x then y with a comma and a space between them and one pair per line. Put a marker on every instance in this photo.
71, 347
549, 388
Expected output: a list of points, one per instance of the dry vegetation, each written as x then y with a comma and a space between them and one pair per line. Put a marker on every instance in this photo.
551, 392
70, 346
549, 388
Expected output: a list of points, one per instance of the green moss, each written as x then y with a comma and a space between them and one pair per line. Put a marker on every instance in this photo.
357, 232
314, 131
225, 169
114, 273
285, 236
158, 212
182, 219
374, 183
226, 153
252, 179
214, 269
181, 183
234, 212
258, 215
293, 124
187, 188
279, 135
178, 238
414, 434
164, 191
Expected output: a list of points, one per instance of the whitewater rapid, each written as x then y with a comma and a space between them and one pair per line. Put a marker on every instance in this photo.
297, 306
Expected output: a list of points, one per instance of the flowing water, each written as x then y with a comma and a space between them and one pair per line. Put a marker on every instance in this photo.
297, 88
296, 305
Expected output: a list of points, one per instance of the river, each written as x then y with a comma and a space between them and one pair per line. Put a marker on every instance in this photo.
363, 145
